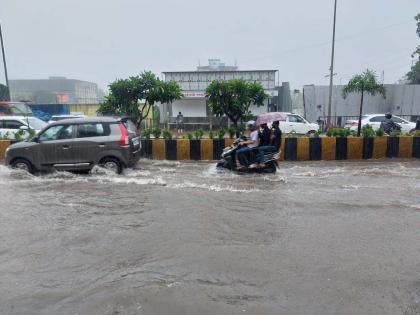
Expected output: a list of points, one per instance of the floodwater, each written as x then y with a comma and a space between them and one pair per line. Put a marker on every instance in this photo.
183, 238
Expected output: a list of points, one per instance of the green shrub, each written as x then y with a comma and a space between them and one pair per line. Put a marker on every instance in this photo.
395, 133
380, 132
330, 132
367, 131
231, 131
156, 132
198, 133
19, 135
189, 136
167, 134
317, 133
211, 134
221, 133
146, 133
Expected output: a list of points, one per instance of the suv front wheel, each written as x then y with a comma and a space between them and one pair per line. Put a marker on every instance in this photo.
111, 164
22, 164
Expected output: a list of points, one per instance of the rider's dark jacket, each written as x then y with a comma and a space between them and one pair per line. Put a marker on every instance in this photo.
388, 125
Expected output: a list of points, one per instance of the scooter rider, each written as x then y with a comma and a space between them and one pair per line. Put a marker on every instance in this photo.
388, 125
265, 135
250, 145
273, 145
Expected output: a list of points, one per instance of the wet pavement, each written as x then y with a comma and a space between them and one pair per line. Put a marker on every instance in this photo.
184, 238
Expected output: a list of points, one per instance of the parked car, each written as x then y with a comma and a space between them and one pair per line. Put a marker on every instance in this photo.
375, 121
298, 124
78, 145
10, 125
62, 117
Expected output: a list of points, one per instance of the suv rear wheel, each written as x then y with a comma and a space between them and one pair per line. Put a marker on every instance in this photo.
111, 164
22, 164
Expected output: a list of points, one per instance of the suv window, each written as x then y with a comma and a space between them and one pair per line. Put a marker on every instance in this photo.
58, 132
129, 125
12, 124
296, 119
377, 119
91, 130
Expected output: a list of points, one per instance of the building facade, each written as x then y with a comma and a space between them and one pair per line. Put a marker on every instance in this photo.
56, 90
193, 84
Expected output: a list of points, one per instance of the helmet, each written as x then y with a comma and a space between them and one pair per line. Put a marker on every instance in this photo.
388, 115
251, 124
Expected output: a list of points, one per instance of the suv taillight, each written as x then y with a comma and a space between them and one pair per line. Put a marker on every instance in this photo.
124, 139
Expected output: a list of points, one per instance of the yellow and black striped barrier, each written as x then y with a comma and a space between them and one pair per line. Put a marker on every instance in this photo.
4, 144
292, 149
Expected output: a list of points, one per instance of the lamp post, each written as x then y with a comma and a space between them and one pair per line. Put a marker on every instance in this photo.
4, 64
332, 65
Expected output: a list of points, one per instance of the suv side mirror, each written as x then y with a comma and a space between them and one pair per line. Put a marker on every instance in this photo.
24, 128
35, 139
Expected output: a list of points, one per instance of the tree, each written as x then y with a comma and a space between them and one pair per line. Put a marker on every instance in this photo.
233, 98
413, 75
4, 93
363, 83
126, 94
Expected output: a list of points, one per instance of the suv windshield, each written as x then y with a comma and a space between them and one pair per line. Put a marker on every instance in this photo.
36, 123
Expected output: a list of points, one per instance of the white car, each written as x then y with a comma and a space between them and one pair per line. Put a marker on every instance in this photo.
375, 121
297, 124
10, 125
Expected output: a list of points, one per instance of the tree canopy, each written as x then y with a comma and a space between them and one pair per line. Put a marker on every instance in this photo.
413, 75
364, 83
233, 98
126, 94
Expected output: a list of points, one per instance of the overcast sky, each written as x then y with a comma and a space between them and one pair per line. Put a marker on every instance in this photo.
101, 40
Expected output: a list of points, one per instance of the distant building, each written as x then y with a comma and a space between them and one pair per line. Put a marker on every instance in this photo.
55, 90
401, 99
193, 84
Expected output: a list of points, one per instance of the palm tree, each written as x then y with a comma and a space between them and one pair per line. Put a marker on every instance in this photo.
363, 83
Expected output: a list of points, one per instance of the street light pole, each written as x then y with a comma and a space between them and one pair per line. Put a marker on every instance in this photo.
332, 65
4, 64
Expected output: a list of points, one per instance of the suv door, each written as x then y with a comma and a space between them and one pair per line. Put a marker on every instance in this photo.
91, 139
56, 145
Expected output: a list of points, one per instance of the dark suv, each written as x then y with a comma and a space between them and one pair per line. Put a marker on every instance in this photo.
78, 145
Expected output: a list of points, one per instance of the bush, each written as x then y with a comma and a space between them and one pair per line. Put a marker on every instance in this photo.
189, 136
231, 131
19, 135
146, 133
367, 131
211, 134
339, 132
317, 133
380, 132
221, 133
198, 133
156, 132
167, 134
395, 133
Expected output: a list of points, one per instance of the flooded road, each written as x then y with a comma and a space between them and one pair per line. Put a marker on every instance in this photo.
184, 238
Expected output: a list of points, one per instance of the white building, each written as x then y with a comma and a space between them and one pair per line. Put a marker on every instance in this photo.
194, 84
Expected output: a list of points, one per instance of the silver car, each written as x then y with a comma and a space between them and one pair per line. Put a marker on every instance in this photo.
77, 145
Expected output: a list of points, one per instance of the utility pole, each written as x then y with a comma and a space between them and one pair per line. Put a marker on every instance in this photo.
4, 64
332, 65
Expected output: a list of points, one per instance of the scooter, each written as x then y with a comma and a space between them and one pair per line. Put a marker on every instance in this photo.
228, 160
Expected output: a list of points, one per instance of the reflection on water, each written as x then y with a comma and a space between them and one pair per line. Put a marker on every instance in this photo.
187, 238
